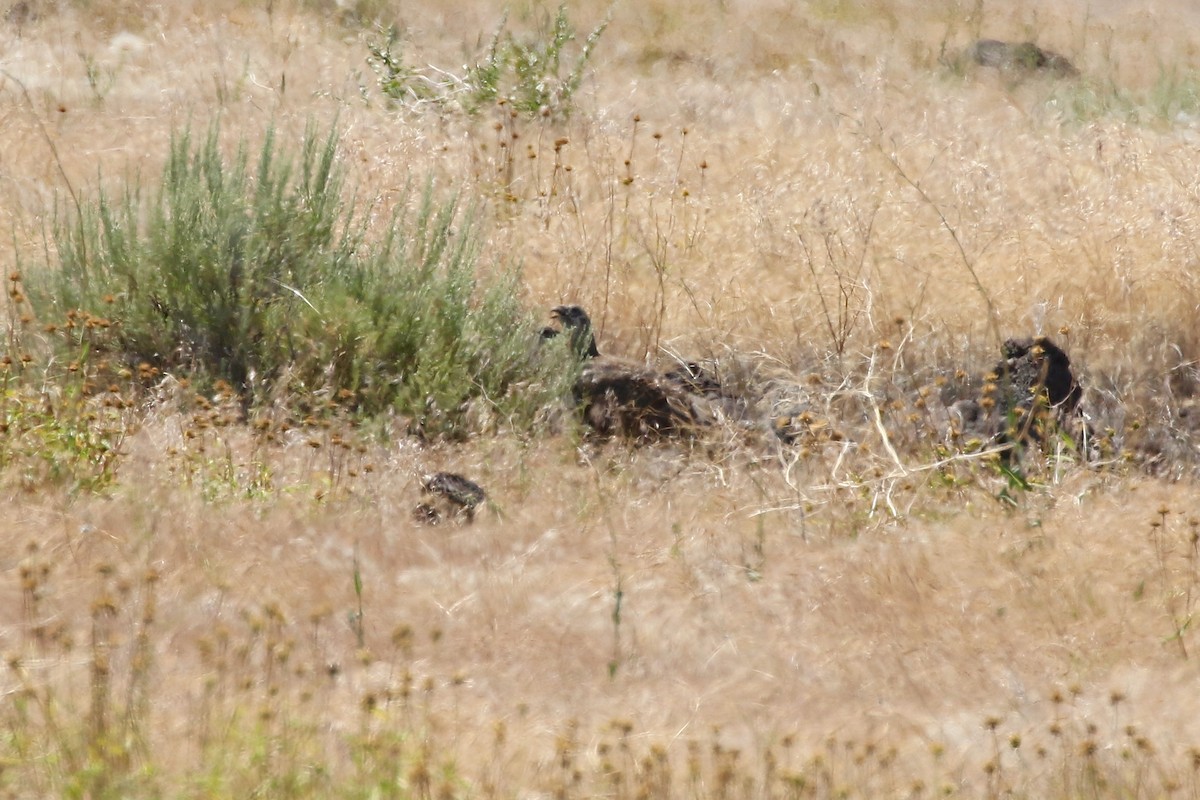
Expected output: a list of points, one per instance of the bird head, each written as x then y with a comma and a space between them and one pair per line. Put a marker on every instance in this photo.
578, 324
571, 316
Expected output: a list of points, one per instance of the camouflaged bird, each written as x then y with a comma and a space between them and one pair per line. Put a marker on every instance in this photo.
617, 397
1024, 57
449, 495
1030, 391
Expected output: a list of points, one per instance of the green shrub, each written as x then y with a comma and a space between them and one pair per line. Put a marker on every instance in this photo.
1173, 97
266, 279
535, 75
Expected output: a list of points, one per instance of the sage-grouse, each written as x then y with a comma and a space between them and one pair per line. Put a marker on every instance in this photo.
1017, 57
448, 495
1031, 388
1036, 370
617, 397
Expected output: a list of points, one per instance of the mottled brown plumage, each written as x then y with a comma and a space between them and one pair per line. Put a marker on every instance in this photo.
1035, 369
1031, 387
448, 495
1018, 57
617, 397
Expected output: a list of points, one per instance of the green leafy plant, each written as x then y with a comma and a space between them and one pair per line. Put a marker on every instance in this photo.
264, 278
536, 75
1173, 97
59, 438
58, 424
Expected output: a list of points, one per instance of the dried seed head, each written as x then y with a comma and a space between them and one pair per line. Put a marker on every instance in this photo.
104, 605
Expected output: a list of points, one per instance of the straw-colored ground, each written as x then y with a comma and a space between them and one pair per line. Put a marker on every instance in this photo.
800, 191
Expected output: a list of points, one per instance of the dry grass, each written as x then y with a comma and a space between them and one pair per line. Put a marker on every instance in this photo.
799, 192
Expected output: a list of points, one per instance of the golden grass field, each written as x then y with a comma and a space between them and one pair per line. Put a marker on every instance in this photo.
798, 192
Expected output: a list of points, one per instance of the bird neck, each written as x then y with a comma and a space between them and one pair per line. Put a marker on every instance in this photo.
584, 342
